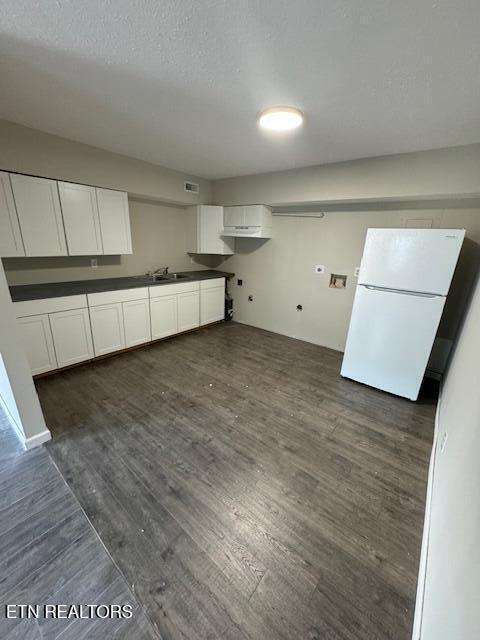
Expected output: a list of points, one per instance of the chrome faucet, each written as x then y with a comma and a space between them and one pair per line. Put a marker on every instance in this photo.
163, 271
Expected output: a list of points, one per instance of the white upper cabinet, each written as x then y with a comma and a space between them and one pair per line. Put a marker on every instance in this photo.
114, 221
234, 216
81, 220
39, 215
11, 243
253, 220
206, 227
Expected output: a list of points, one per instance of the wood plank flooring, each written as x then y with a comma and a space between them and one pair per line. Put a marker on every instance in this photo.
244, 489
49, 553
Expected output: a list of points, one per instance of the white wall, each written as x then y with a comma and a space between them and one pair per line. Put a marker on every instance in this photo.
159, 238
451, 605
27, 150
413, 176
279, 272
17, 390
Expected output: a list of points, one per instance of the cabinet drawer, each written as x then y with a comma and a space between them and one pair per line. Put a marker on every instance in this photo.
112, 297
173, 289
212, 284
49, 305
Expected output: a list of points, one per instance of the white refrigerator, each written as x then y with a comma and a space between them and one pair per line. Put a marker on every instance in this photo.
403, 282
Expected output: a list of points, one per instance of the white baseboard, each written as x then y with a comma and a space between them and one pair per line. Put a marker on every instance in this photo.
40, 438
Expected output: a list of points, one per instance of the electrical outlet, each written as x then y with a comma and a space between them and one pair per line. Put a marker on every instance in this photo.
356, 273
94, 263
319, 269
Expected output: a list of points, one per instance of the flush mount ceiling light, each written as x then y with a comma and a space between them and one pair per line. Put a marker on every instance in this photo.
281, 119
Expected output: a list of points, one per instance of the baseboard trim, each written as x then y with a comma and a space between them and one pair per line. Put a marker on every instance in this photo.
37, 440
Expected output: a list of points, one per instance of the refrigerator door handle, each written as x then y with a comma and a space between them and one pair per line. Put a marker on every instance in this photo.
401, 291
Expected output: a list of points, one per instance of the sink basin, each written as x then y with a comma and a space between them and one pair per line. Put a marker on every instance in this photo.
170, 276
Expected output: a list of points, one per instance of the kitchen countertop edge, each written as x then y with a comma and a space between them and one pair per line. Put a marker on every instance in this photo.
22, 293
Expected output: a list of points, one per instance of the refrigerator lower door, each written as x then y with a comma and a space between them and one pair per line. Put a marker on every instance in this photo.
390, 338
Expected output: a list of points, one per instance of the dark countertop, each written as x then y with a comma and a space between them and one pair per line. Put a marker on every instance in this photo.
77, 287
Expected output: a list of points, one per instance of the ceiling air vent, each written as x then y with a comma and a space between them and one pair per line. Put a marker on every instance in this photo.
191, 187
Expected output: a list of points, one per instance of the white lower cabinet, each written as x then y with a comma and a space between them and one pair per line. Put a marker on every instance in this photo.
36, 337
58, 332
71, 336
107, 328
188, 309
136, 320
174, 308
212, 306
163, 316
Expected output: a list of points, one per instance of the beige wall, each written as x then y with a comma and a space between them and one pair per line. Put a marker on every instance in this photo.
26, 150
159, 238
279, 272
413, 176
451, 588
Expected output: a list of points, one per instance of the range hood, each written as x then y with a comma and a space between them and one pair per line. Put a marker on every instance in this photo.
250, 221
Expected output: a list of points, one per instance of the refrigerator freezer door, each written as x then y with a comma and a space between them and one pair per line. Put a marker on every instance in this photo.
411, 259
390, 338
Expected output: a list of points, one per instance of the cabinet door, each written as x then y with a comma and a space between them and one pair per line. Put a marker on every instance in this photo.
107, 328
80, 218
253, 215
39, 215
36, 337
234, 216
72, 336
114, 221
188, 310
136, 319
212, 305
210, 229
10, 238
163, 316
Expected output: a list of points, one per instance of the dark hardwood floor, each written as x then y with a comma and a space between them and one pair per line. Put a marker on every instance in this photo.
244, 489
50, 554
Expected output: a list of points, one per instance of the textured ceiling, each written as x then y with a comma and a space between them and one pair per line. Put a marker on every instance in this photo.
180, 83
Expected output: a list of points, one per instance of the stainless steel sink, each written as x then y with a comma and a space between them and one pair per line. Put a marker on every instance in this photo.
169, 276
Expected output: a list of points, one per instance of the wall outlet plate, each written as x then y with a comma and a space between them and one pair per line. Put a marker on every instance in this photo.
319, 269
356, 273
